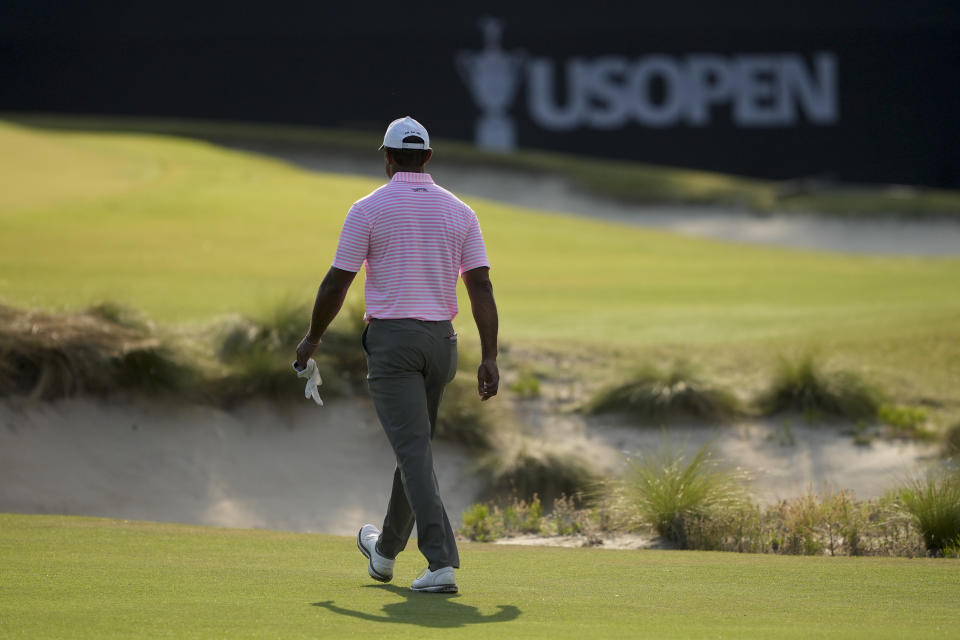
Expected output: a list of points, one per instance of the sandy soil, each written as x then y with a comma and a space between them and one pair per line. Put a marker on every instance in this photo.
329, 470
783, 457
306, 469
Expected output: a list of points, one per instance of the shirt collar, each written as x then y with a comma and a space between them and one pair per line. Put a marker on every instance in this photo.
404, 176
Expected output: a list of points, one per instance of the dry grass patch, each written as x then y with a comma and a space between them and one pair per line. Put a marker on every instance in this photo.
101, 350
803, 385
657, 394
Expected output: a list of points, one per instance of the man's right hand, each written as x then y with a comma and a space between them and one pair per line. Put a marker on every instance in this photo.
488, 379
305, 351
480, 290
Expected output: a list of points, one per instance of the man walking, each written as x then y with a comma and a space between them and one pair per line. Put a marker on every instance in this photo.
416, 239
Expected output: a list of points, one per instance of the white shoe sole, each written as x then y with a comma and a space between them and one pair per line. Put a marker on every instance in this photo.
437, 588
373, 572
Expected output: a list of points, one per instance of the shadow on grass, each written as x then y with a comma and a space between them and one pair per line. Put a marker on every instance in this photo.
426, 610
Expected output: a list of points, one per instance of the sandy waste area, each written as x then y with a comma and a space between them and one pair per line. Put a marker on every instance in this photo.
329, 469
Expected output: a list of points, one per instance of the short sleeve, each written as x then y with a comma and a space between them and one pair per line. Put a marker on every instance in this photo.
473, 254
354, 241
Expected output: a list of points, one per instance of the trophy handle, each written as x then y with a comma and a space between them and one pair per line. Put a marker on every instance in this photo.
465, 64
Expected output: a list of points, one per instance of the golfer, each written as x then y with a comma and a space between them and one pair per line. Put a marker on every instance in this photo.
416, 239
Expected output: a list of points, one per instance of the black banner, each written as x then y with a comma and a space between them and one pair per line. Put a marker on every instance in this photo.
869, 101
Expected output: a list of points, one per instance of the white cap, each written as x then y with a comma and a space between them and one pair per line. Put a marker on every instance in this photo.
400, 129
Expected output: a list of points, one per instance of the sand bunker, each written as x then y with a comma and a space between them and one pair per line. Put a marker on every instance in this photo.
329, 470
306, 469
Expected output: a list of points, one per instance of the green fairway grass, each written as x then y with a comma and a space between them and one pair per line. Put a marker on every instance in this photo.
619, 180
97, 578
186, 231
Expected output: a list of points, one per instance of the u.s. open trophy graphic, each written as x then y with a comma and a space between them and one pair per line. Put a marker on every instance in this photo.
493, 76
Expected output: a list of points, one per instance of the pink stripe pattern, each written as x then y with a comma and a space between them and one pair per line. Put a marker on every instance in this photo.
415, 239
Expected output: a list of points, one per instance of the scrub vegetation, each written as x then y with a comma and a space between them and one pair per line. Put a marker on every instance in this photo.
672, 493
654, 395
96, 351
692, 502
802, 385
108, 349
951, 443
530, 467
934, 503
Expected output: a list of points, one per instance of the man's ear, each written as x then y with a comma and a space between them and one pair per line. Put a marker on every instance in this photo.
429, 155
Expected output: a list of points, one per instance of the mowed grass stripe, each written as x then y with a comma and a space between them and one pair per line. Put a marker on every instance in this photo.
87, 577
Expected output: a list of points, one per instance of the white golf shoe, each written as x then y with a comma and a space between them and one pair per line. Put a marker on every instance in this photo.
379, 567
439, 581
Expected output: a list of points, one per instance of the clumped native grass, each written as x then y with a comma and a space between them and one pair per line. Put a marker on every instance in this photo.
109, 348
951, 442
672, 492
256, 354
934, 503
511, 517
46, 356
480, 523
537, 468
490, 521
527, 384
832, 523
658, 394
904, 419
802, 385
693, 503
463, 419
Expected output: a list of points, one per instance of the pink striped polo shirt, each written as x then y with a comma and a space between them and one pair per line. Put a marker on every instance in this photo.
415, 238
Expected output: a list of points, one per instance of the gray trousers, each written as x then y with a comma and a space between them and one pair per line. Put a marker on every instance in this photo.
409, 363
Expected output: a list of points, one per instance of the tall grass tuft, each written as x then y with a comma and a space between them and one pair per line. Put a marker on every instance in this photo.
934, 503
803, 386
676, 495
256, 354
341, 355
280, 329
464, 419
951, 442
46, 356
655, 394
487, 522
536, 468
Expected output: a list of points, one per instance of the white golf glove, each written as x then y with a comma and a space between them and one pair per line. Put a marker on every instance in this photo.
314, 380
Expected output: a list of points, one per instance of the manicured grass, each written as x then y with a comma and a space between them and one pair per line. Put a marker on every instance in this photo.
95, 578
619, 180
185, 230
